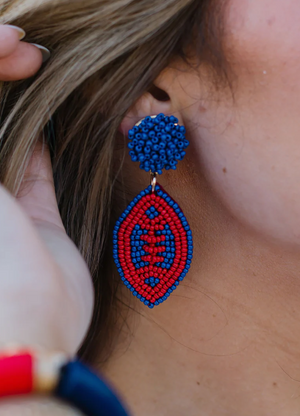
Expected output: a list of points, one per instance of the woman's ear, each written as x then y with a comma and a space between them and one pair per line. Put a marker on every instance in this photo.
146, 105
167, 95
161, 97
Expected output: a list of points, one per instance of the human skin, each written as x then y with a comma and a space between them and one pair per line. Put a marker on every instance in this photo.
227, 341
46, 295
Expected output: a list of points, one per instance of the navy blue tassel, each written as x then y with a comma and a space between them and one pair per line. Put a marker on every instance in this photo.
82, 388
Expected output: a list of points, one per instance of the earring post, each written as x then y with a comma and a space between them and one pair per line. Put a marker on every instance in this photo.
153, 180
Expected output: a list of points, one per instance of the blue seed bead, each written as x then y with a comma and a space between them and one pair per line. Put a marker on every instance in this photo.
160, 133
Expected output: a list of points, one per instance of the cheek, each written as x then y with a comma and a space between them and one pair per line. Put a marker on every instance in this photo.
249, 146
249, 143
262, 44
256, 177
262, 29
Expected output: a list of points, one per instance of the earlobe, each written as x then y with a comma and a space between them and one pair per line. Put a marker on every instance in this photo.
146, 105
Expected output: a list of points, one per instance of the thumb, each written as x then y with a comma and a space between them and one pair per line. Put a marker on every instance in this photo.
37, 198
37, 193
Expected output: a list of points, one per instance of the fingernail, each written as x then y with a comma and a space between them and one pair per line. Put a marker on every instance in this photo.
45, 52
20, 31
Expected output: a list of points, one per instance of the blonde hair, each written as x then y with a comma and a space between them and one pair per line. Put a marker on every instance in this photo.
105, 54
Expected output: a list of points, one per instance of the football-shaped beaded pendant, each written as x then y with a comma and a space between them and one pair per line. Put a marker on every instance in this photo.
152, 240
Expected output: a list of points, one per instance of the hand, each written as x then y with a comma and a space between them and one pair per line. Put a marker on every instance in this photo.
46, 293
18, 60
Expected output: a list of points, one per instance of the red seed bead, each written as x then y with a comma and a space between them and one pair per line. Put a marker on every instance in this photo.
16, 374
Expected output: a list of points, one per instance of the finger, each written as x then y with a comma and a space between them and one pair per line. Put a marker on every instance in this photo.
37, 193
23, 63
10, 37
37, 198
38, 264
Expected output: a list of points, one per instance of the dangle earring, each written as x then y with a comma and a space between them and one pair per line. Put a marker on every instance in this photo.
152, 240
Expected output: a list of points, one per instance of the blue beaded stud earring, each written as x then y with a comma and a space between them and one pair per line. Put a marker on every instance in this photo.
152, 240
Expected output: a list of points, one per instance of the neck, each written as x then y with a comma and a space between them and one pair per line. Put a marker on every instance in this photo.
227, 341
